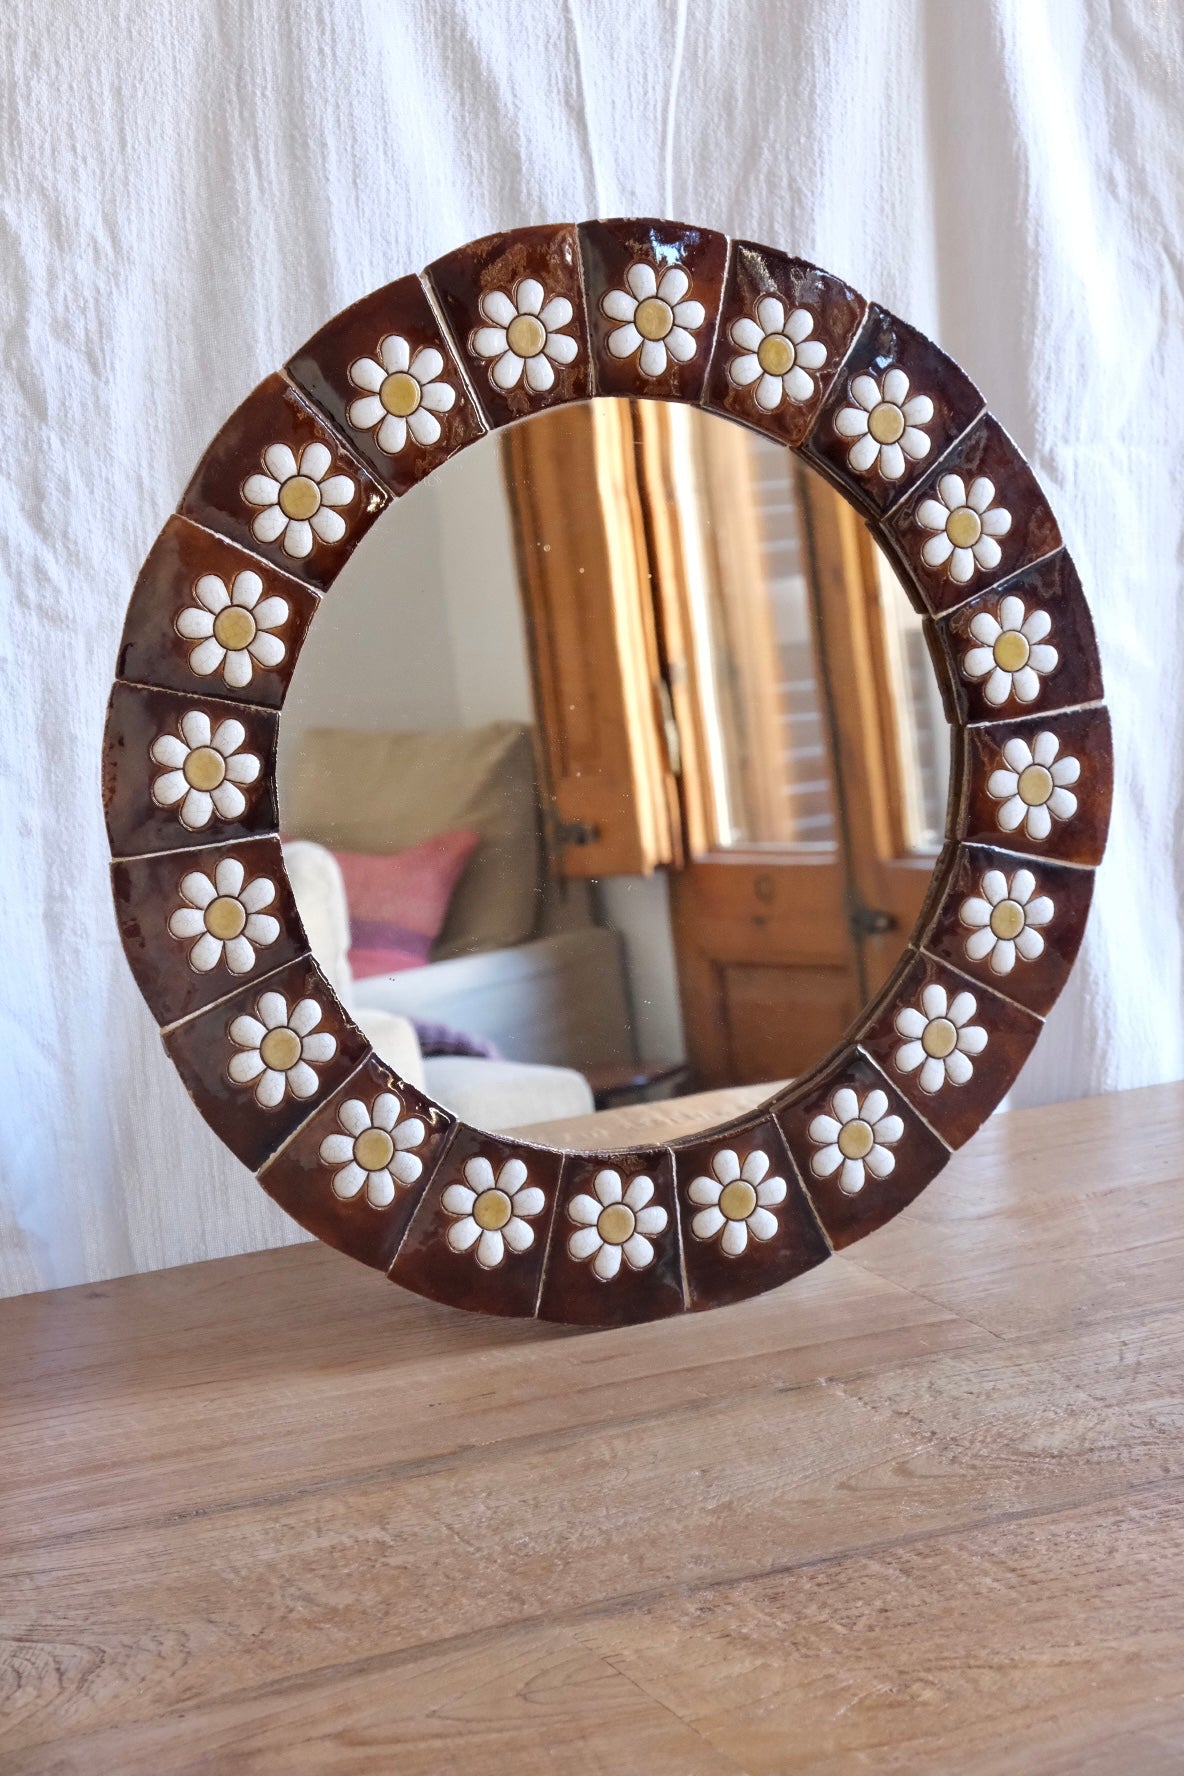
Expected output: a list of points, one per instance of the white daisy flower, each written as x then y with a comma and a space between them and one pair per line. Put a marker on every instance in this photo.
277, 1049
966, 524
1012, 654
939, 1038
655, 319
402, 394
777, 354
1002, 921
225, 915
1034, 788
374, 1152
232, 628
615, 1221
203, 770
524, 333
736, 1201
885, 424
856, 1137
298, 499
492, 1213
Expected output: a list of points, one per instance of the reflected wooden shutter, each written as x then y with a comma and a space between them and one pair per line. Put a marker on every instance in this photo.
606, 772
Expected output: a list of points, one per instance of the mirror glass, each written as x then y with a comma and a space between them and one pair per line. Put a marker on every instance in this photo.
612, 772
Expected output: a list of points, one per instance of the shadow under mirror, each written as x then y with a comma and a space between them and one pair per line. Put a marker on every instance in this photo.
586, 800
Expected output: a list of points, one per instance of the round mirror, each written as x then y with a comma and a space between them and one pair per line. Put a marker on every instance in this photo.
595, 937
578, 743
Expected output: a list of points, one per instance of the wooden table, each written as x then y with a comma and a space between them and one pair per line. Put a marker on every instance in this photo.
921, 1512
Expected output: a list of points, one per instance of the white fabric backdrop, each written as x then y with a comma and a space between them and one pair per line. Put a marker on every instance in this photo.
188, 191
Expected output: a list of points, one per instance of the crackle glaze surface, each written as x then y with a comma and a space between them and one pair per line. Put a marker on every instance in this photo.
377, 399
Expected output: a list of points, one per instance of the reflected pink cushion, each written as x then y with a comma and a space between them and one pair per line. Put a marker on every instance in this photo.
398, 902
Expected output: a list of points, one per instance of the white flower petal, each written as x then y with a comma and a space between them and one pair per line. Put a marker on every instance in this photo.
496, 306
704, 1190
652, 1220
826, 1161
561, 348
642, 281
348, 1181
269, 526
271, 1088
280, 462
424, 427
745, 370
892, 461
770, 312
909, 1057
315, 461
851, 422
707, 1223
638, 1252
463, 1234
489, 341
652, 361
607, 1263
584, 1209
507, 372
298, 539
674, 285
539, 374
975, 912
368, 374
479, 1173
517, 1234
458, 1199
761, 1224
583, 1243
896, 386
864, 455
734, 1238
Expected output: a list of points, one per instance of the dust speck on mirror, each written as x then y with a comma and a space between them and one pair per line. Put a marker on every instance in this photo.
586, 803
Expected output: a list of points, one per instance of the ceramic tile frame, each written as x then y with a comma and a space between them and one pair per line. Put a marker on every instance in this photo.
995, 837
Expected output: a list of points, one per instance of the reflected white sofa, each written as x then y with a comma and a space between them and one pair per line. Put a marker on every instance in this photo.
487, 994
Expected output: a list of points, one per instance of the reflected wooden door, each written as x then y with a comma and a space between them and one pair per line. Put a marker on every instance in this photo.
792, 657
729, 685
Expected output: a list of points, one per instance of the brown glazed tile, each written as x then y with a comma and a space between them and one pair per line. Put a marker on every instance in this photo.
1009, 763
616, 1260
1013, 923
738, 1172
662, 315
525, 284
384, 372
277, 480
485, 1173
979, 516
354, 1173
227, 903
204, 1051
884, 1129
770, 369
169, 761
952, 1047
209, 618
1052, 660
940, 401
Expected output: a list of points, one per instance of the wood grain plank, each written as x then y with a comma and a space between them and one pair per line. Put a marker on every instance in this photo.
920, 1512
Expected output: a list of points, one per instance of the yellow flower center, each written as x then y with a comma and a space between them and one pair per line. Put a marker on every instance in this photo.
204, 768
964, 527
492, 1210
885, 422
654, 318
225, 917
1007, 919
1011, 650
300, 497
939, 1038
400, 394
615, 1224
280, 1049
526, 336
234, 628
737, 1200
775, 354
374, 1150
856, 1139
1035, 785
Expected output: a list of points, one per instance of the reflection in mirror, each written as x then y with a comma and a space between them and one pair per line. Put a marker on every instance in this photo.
613, 770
